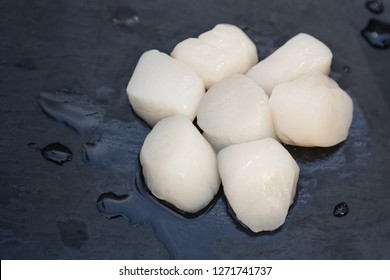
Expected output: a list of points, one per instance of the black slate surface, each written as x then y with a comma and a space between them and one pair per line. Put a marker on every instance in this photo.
64, 66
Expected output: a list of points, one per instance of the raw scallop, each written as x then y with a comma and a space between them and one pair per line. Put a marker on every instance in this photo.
162, 86
179, 165
218, 53
259, 179
311, 111
299, 55
235, 110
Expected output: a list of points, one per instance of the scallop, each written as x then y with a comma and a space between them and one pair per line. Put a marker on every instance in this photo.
162, 86
179, 165
300, 55
217, 53
259, 179
235, 110
311, 111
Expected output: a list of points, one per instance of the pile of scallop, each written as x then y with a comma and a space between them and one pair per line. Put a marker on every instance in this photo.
245, 110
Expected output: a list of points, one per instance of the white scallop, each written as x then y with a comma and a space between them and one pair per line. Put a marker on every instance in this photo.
162, 86
311, 111
259, 179
301, 54
235, 110
218, 53
179, 165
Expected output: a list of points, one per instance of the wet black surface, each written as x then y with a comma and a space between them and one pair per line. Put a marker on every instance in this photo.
64, 68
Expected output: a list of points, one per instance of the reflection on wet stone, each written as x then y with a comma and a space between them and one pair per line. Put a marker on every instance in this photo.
54, 152
173, 229
57, 153
82, 120
124, 16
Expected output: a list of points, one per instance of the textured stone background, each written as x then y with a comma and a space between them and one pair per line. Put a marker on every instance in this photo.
84, 52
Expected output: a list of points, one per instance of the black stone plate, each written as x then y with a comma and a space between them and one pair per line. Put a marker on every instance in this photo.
64, 67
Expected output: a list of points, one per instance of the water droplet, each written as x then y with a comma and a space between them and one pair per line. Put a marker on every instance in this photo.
26, 63
124, 16
375, 6
57, 153
80, 119
377, 33
341, 209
